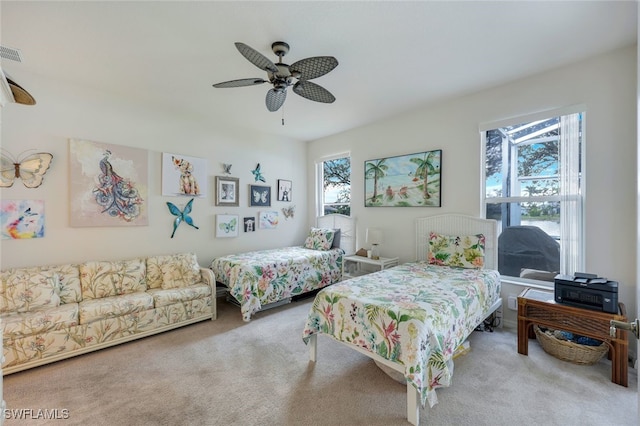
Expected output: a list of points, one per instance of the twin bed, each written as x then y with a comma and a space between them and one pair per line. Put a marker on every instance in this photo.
265, 279
412, 317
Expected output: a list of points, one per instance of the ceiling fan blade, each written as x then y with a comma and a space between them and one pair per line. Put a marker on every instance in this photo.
314, 67
240, 83
256, 58
275, 99
313, 92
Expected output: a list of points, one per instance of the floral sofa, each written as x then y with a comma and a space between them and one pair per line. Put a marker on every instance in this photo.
49, 313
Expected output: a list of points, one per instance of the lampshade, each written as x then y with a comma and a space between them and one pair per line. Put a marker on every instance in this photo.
374, 236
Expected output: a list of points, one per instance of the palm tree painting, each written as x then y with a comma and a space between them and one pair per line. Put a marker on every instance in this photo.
404, 181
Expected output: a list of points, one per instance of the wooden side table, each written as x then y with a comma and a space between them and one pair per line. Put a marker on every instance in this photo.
539, 307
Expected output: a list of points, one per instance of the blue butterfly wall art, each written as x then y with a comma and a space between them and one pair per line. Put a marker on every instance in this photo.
257, 174
181, 215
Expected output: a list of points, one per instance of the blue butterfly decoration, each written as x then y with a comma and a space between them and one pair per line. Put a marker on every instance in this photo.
257, 174
181, 215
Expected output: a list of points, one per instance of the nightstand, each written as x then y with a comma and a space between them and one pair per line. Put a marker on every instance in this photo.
353, 265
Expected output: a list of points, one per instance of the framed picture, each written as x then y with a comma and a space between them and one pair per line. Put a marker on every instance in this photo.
183, 175
22, 219
259, 196
284, 190
268, 220
227, 225
227, 191
249, 224
411, 180
108, 184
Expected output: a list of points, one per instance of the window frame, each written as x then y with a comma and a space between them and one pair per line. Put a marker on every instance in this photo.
319, 165
577, 262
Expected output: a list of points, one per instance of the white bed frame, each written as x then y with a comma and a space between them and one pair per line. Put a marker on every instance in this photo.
347, 226
449, 224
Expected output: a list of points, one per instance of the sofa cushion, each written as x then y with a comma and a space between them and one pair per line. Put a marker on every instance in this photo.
182, 270
174, 295
28, 289
154, 270
106, 279
16, 325
109, 307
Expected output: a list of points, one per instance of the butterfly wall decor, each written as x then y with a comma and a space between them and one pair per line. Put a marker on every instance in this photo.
288, 211
29, 168
257, 174
226, 168
228, 227
181, 215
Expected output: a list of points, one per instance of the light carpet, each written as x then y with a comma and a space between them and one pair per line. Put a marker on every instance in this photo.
227, 372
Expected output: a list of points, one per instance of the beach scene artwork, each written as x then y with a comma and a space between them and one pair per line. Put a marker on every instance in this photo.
411, 180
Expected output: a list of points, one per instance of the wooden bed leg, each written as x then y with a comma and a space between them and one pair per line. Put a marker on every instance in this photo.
413, 405
313, 347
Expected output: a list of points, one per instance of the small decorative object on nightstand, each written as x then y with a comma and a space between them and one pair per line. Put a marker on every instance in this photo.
374, 237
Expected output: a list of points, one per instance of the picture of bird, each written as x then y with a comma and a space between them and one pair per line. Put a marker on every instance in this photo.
257, 174
181, 215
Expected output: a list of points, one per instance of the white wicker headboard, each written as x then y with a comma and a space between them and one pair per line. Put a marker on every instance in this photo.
347, 226
458, 224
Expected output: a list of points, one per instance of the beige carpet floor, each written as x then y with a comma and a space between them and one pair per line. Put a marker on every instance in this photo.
227, 372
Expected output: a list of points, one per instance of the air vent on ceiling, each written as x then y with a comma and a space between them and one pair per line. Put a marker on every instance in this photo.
10, 53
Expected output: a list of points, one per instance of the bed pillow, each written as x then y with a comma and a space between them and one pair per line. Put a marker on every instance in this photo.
462, 251
319, 239
336, 238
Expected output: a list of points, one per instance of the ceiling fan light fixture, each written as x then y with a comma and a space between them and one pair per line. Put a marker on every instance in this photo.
282, 75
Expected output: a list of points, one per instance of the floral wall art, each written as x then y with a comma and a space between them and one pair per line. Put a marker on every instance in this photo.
108, 184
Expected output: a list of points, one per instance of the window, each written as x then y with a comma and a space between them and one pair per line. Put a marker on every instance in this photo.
334, 185
532, 187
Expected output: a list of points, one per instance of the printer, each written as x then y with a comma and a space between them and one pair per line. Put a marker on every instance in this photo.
587, 291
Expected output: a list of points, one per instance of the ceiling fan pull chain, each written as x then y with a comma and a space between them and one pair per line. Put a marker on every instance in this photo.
283, 115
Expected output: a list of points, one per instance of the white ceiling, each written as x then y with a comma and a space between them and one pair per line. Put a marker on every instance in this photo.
393, 56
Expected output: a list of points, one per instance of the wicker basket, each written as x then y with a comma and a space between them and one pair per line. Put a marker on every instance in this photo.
570, 351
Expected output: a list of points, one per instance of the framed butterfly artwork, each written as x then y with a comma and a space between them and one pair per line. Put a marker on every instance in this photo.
259, 196
29, 168
227, 225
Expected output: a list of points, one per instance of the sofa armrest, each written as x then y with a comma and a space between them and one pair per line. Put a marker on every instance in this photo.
208, 278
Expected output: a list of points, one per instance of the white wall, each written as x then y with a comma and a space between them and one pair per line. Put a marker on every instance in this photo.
605, 84
64, 111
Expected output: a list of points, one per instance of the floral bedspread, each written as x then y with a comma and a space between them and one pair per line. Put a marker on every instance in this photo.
260, 277
413, 314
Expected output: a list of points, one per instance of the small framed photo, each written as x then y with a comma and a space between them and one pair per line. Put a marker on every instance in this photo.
227, 191
268, 220
227, 225
249, 224
284, 190
259, 196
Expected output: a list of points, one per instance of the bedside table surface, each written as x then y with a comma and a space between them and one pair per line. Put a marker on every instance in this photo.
362, 259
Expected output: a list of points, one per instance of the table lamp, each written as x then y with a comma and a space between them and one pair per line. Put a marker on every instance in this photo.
374, 237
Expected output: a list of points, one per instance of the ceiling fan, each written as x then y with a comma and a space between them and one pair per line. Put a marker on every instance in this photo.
281, 75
